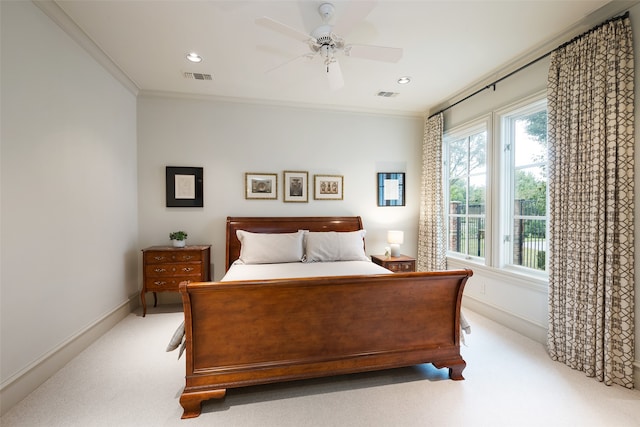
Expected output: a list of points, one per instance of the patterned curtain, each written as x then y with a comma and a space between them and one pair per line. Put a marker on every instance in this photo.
431, 229
591, 197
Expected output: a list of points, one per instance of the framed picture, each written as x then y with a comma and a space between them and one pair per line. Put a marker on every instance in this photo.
328, 187
391, 189
184, 187
261, 186
296, 186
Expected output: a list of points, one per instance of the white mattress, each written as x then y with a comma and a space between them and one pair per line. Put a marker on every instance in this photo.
239, 271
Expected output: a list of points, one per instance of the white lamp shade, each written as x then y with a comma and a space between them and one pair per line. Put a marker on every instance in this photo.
394, 236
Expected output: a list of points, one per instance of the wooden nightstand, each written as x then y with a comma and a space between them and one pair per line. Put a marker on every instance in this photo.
397, 264
165, 267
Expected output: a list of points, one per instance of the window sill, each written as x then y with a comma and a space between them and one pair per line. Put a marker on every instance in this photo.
517, 278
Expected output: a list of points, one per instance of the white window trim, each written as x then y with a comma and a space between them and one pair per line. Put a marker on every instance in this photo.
481, 123
524, 106
494, 227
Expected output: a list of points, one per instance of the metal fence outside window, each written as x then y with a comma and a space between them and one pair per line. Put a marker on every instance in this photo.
467, 232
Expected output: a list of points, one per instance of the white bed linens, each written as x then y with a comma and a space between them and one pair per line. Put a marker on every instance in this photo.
240, 271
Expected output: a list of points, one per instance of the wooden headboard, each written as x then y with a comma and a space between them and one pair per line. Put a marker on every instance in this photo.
283, 225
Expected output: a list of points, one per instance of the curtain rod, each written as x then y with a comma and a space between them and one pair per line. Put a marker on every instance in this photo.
494, 83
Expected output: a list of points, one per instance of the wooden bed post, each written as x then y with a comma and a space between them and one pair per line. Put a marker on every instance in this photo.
191, 402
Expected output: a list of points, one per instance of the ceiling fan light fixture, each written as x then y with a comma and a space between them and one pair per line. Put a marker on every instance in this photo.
194, 57
404, 80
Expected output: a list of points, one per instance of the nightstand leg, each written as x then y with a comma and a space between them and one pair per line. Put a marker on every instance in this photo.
155, 299
144, 303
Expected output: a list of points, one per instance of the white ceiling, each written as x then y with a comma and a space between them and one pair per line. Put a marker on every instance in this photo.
448, 45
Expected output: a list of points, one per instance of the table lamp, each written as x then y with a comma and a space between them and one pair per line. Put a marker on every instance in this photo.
395, 239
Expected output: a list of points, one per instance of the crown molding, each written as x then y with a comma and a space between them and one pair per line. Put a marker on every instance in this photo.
608, 11
57, 15
283, 104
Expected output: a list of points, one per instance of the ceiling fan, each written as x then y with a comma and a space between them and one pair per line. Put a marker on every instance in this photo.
325, 41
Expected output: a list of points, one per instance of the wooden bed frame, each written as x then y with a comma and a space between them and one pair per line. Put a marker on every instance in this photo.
255, 332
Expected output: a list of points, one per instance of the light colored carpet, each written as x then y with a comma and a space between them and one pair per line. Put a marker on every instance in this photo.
127, 379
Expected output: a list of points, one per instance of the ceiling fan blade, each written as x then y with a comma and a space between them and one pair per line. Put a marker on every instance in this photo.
283, 29
296, 59
377, 53
334, 74
355, 11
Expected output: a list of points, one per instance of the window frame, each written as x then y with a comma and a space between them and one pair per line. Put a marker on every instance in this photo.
494, 261
506, 160
482, 123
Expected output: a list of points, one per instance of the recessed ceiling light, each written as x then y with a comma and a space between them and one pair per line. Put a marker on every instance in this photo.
194, 57
404, 80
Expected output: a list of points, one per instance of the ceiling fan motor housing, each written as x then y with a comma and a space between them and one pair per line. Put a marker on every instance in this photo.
324, 37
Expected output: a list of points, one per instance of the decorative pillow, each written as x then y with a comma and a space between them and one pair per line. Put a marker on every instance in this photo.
270, 248
176, 339
335, 246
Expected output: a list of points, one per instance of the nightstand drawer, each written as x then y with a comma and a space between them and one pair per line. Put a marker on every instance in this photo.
172, 284
400, 267
162, 257
164, 270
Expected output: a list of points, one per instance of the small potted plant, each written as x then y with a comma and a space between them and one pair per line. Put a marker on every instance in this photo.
179, 238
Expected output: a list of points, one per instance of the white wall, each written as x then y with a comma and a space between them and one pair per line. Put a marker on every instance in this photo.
520, 303
229, 139
510, 299
69, 195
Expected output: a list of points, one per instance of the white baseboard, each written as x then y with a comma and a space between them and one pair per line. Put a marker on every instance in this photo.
523, 326
519, 324
19, 387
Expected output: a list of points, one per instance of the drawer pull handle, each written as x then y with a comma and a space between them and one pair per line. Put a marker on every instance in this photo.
188, 269
159, 270
159, 283
187, 257
158, 258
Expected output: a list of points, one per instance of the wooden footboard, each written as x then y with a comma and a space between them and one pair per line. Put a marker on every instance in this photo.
255, 332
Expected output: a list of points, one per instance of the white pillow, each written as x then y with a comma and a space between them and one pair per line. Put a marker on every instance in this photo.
270, 248
335, 246
177, 338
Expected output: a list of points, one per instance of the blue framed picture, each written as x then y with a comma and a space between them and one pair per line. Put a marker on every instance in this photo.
391, 189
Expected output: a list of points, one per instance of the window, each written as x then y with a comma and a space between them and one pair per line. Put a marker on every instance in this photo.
465, 169
503, 225
524, 143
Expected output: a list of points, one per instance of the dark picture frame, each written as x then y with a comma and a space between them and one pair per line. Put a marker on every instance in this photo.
391, 188
296, 186
184, 187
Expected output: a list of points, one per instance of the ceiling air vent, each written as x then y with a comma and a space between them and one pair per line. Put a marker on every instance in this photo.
198, 76
387, 94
